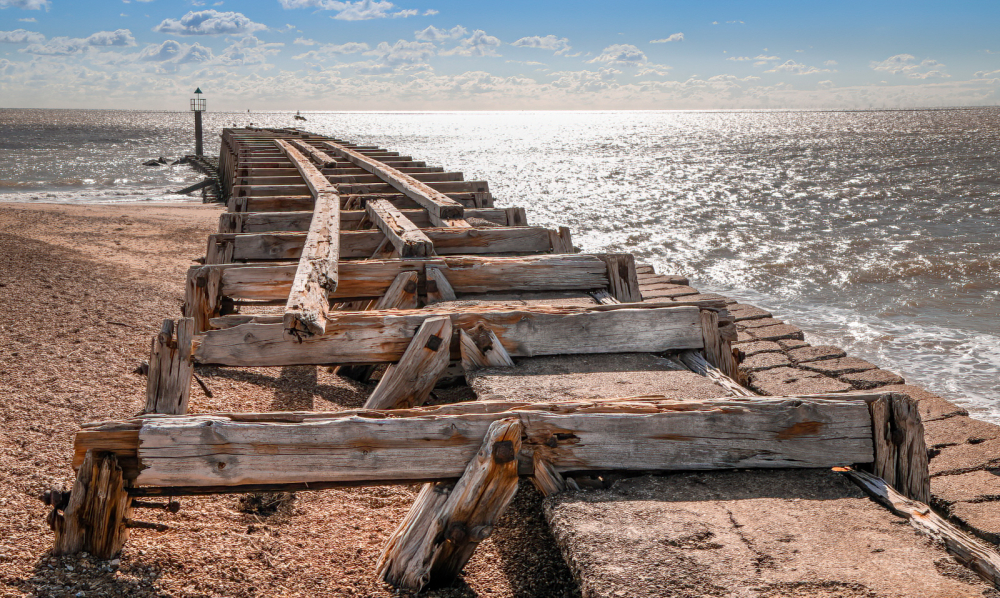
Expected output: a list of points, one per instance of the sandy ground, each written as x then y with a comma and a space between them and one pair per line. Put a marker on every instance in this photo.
83, 289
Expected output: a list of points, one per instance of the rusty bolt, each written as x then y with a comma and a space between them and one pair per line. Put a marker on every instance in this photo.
433, 343
503, 451
410, 287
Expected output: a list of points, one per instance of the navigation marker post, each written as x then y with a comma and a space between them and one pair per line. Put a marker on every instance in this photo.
197, 106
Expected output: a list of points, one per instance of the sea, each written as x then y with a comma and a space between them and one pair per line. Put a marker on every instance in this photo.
877, 231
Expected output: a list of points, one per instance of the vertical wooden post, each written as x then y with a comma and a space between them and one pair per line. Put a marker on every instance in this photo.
198, 146
900, 450
202, 296
441, 531
95, 518
168, 386
561, 240
623, 282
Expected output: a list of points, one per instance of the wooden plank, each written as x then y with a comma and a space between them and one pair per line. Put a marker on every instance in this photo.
362, 243
316, 276
655, 435
699, 365
262, 222
982, 559
900, 451
437, 537
289, 203
405, 236
468, 274
440, 207
168, 381
409, 382
379, 337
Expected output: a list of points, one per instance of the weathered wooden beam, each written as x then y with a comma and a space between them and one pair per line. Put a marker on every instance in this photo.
203, 296
982, 559
298, 221
94, 520
435, 443
440, 533
299, 202
623, 284
168, 381
409, 382
438, 287
405, 236
481, 348
316, 276
900, 451
371, 278
441, 208
380, 337
699, 365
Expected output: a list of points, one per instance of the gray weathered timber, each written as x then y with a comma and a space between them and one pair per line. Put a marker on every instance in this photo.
440, 208
612, 435
697, 363
405, 236
985, 561
316, 275
262, 222
168, 381
378, 337
434, 552
900, 450
409, 382
94, 520
623, 282
438, 286
467, 275
362, 243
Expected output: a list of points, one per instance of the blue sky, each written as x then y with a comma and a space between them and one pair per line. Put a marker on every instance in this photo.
516, 54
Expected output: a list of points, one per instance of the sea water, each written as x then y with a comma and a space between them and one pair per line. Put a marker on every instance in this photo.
876, 231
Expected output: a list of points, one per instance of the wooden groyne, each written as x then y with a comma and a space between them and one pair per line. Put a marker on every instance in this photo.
335, 254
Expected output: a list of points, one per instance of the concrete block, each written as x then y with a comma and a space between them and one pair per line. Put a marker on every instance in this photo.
793, 381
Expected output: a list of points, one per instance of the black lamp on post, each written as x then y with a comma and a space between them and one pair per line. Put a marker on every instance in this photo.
197, 106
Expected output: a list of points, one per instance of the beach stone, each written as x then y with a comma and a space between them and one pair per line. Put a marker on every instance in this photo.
748, 349
963, 458
784, 381
765, 533
789, 344
804, 354
872, 379
977, 486
776, 332
763, 361
931, 406
983, 518
958, 430
743, 312
838, 366
759, 323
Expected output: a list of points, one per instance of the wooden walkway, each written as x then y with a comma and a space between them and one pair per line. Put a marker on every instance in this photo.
332, 253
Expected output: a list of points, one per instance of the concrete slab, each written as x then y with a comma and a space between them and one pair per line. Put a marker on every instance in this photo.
742, 312
964, 458
591, 376
977, 486
838, 366
982, 518
748, 349
871, 379
774, 333
764, 361
759, 323
789, 344
958, 430
786, 381
804, 354
766, 533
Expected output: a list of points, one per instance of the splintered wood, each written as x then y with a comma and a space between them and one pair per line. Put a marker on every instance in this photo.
378, 259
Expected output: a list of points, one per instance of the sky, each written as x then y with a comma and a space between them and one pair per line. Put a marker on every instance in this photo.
505, 55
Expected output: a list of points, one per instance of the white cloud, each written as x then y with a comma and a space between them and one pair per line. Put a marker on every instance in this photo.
248, 51
360, 10
559, 45
403, 52
430, 12
675, 37
29, 20
68, 46
796, 68
830, 63
649, 68
25, 4
175, 52
602, 79
825, 84
328, 51
433, 34
477, 44
301, 41
738, 58
624, 54
21, 36
209, 22
765, 58
907, 65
